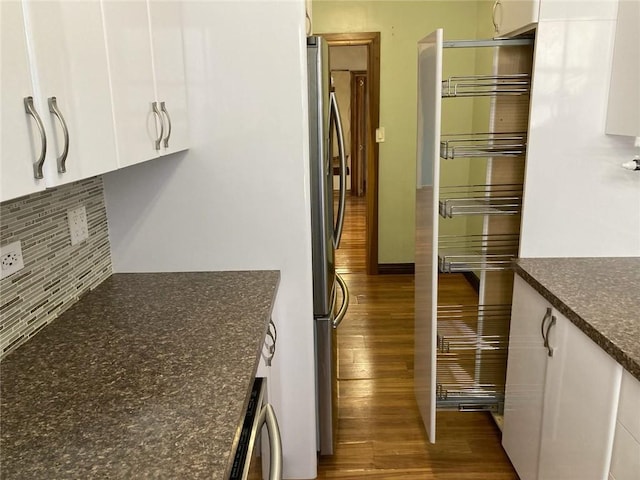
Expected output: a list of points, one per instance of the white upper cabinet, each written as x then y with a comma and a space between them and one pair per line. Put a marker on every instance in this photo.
69, 83
623, 114
513, 17
561, 395
146, 59
69, 61
21, 143
168, 60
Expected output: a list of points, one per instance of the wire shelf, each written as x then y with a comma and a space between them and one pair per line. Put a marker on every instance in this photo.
486, 85
464, 253
482, 145
499, 199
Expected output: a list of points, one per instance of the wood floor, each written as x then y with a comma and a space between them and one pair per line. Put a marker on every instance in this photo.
380, 433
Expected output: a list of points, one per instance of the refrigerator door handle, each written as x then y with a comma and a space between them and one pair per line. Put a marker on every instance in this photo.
345, 302
337, 234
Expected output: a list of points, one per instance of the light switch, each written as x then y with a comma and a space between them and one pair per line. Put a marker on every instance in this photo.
380, 135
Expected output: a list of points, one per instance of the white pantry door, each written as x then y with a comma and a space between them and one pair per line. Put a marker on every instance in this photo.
427, 193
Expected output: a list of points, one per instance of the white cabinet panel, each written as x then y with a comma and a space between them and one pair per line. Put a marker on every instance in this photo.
427, 192
20, 141
560, 409
55, 50
625, 460
69, 60
578, 9
578, 202
582, 387
623, 114
629, 407
168, 61
146, 57
526, 369
131, 69
511, 16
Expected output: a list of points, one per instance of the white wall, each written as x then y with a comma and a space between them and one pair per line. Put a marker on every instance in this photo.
239, 198
578, 200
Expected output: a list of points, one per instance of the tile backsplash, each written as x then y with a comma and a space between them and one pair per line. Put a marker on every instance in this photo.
55, 273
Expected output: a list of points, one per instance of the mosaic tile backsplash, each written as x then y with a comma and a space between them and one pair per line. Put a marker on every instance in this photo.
55, 273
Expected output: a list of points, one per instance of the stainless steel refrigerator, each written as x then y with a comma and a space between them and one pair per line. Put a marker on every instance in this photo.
326, 230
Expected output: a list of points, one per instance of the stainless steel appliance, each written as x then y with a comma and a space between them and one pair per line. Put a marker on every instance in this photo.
248, 463
326, 231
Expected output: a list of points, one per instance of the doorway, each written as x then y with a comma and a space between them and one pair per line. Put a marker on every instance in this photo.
363, 162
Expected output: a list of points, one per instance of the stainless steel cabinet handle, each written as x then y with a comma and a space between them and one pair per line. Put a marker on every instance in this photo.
156, 112
164, 111
343, 171
268, 417
546, 341
546, 317
496, 25
271, 348
62, 159
345, 302
30, 109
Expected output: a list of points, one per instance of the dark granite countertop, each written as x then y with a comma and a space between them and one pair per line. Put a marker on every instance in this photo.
600, 295
147, 376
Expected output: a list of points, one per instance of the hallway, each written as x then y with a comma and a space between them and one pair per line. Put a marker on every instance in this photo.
380, 433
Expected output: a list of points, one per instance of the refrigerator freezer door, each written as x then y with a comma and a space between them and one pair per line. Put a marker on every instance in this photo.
322, 229
327, 377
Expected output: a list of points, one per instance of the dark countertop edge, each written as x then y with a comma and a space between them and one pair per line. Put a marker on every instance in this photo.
245, 403
628, 363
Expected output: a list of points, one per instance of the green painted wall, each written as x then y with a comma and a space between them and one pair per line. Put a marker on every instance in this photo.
401, 25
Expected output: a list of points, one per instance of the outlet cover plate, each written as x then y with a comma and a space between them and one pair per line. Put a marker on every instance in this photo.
78, 227
11, 260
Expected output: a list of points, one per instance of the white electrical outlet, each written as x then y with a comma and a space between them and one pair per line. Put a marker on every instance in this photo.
11, 259
78, 224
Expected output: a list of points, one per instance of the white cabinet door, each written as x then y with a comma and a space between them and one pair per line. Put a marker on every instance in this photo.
526, 369
559, 408
582, 388
517, 16
131, 70
69, 62
168, 61
21, 143
147, 75
55, 52
625, 459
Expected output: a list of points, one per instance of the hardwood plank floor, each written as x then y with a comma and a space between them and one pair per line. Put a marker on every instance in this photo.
380, 433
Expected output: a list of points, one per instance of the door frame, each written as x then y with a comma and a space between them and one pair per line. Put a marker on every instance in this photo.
372, 41
356, 116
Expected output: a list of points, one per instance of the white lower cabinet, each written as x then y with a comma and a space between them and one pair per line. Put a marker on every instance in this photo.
561, 395
625, 460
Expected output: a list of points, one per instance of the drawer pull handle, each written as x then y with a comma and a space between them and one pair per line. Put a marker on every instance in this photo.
30, 109
62, 159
